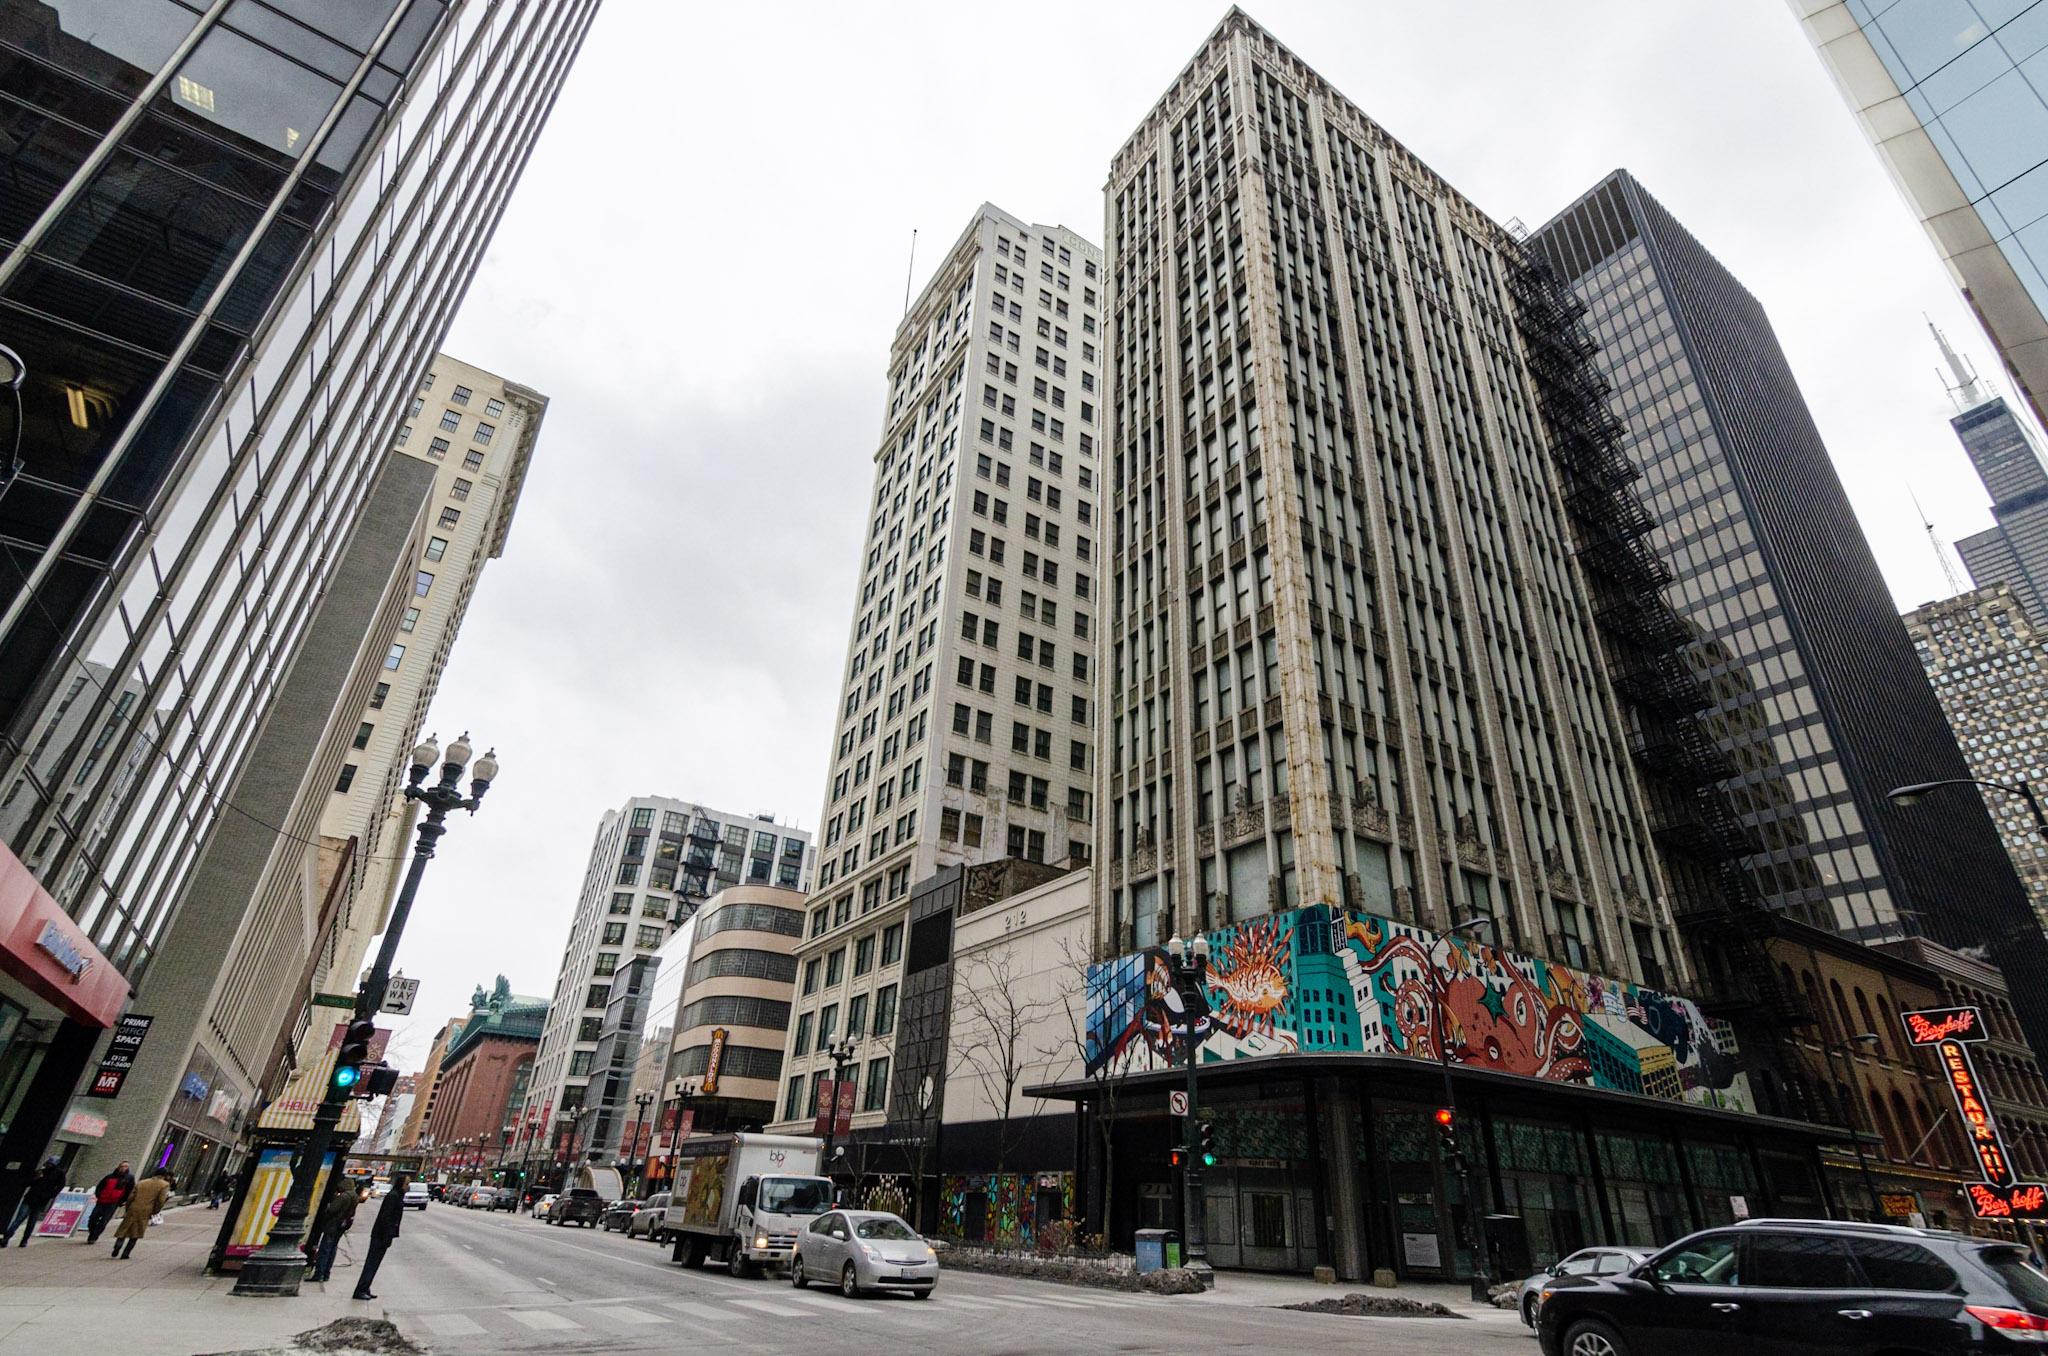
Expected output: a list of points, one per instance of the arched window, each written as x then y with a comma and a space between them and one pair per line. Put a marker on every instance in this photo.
1935, 1143
1869, 1022
1909, 1138
1843, 1032
1881, 1120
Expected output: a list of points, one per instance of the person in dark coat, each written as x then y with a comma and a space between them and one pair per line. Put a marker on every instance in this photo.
383, 1233
110, 1195
335, 1221
35, 1202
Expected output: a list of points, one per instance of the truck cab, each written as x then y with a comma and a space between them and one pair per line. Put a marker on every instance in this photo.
742, 1199
771, 1212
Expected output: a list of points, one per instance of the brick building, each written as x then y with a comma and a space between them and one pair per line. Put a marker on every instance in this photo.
484, 1078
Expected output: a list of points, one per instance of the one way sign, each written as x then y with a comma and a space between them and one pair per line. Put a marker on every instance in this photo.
399, 993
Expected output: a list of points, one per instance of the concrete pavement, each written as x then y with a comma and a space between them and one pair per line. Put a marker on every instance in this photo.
464, 1283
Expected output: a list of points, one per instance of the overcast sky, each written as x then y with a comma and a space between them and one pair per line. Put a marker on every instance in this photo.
706, 260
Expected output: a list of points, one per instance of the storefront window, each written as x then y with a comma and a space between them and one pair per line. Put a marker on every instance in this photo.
1544, 1178
1720, 1173
21, 1054
1645, 1195
1426, 1202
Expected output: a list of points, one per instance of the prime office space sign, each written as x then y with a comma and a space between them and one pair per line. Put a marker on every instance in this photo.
1998, 1196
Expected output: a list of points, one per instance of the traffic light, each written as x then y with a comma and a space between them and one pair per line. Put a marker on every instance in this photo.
1447, 1126
378, 1080
1205, 1143
1180, 1157
354, 1054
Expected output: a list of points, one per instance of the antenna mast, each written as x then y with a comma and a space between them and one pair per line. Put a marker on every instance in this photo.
1941, 551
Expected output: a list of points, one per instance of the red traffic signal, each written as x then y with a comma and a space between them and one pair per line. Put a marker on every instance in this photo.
1180, 1157
1446, 1119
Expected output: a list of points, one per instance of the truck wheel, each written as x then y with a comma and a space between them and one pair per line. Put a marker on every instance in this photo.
738, 1263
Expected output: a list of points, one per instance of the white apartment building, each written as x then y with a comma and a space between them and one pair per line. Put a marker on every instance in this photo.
477, 431
964, 731
653, 862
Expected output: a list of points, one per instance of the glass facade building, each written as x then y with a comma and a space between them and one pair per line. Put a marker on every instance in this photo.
231, 237
1954, 95
1819, 703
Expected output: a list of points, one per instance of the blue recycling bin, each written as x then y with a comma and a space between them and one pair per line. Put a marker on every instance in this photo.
1157, 1249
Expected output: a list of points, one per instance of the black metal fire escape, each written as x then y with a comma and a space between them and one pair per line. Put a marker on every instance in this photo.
1715, 900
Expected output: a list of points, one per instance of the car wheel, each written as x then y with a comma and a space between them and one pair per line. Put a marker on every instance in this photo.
1529, 1311
849, 1283
1591, 1337
796, 1273
921, 1294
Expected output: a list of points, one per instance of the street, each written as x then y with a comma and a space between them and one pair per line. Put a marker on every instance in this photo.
465, 1281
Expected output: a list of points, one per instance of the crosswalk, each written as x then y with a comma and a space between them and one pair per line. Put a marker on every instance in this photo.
646, 1314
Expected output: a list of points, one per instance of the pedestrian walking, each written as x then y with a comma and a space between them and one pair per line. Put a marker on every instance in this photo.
144, 1205
383, 1232
335, 1220
110, 1195
35, 1202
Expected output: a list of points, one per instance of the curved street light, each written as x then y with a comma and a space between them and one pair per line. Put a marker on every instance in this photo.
1913, 792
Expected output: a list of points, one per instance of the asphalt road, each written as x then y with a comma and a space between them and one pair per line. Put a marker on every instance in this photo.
463, 1281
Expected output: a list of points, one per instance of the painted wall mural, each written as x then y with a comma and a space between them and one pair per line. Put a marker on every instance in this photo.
1320, 980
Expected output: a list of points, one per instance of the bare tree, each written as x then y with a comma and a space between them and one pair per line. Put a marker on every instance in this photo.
1108, 1076
995, 1022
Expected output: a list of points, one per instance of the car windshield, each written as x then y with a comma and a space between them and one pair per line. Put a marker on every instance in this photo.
2027, 1285
1710, 1261
886, 1227
795, 1196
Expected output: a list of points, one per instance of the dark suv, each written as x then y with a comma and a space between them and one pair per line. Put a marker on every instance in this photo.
1778, 1286
577, 1205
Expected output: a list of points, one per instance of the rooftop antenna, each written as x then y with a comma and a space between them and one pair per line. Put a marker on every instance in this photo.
910, 271
1969, 390
1941, 551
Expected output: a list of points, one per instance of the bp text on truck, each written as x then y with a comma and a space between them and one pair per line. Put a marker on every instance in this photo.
743, 1198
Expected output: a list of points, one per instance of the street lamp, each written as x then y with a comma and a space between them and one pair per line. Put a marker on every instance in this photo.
1914, 791
640, 1102
280, 1264
1867, 1039
1474, 1244
1190, 961
840, 1052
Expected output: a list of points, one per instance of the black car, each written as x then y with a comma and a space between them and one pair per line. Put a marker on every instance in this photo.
505, 1198
1782, 1286
618, 1215
577, 1205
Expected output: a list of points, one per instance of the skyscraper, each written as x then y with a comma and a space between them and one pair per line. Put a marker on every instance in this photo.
1988, 661
231, 240
964, 733
1820, 705
1349, 658
1952, 96
2014, 549
653, 862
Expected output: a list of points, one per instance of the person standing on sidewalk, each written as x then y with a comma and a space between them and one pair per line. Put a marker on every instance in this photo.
383, 1233
110, 1195
335, 1221
35, 1202
144, 1204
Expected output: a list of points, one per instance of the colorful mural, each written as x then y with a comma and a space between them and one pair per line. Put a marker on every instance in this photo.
1321, 980
1009, 1206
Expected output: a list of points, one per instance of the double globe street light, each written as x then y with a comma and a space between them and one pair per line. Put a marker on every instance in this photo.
280, 1264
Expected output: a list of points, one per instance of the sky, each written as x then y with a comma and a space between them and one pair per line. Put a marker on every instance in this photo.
707, 257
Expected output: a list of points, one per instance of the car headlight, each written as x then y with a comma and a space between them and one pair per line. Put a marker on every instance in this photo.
930, 1251
760, 1240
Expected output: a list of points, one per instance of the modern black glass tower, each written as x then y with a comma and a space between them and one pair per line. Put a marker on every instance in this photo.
232, 235
1819, 703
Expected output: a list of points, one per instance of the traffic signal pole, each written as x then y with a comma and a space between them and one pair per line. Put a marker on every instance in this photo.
279, 1265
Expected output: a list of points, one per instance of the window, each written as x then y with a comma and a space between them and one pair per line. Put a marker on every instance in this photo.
794, 1098
460, 489
1705, 1261
811, 968
347, 779
803, 1035
1898, 1265
607, 963
450, 517
436, 547
450, 420
614, 934
622, 902
649, 937
857, 1014
885, 1010
494, 408
828, 1024
363, 733
438, 448
1799, 1262
863, 955
597, 996
377, 697
589, 1028
394, 657
878, 1085
422, 584
892, 944
460, 395
835, 967
484, 432
410, 620
472, 460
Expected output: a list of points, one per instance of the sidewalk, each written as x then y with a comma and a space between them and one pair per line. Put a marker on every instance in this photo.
59, 1297
1267, 1290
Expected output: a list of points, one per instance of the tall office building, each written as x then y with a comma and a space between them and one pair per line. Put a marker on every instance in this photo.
731, 1018
964, 732
231, 240
1988, 661
2014, 549
1349, 657
1952, 95
1820, 706
477, 431
653, 862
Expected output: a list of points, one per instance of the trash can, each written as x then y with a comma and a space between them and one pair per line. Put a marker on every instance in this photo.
1158, 1249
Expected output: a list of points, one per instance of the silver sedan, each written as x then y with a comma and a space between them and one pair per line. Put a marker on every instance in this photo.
1604, 1261
863, 1250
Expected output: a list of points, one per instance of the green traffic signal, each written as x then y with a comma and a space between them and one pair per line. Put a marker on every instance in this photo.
347, 1076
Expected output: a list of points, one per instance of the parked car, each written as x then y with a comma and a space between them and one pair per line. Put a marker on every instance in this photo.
1808, 1286
504, 1198
648, 1220
1606, 1261
437, 1191
544, 1206
478, 1197
863, 1250
618, 1215
578, 1205
415, 1197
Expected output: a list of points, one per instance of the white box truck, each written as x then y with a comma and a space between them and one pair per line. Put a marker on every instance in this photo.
743, 1198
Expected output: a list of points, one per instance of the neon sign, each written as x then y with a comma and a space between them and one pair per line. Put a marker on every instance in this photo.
1998, 1196
1934, 1025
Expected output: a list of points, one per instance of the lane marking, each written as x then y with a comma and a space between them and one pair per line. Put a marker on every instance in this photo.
703, 1313
451, 1325
772, 1308
499, 1260
543, 1319
543, 1280
626, 1315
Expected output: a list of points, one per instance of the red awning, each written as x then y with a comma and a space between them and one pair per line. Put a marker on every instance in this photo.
42, 947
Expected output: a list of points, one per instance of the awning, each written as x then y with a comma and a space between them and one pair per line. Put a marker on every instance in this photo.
42, 947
